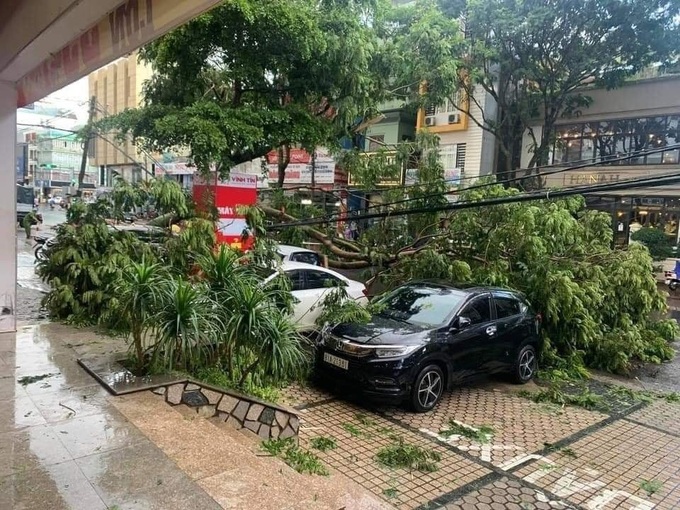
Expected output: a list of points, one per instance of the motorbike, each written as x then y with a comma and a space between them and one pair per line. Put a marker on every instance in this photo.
672, 277
42, 242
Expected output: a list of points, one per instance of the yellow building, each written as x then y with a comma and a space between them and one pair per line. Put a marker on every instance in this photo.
116, 87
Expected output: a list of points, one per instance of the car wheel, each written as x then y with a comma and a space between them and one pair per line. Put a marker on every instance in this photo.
673, 285
525, 365
427, 389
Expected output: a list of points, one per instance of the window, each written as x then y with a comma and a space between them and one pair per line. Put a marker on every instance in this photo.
609, 141
460, 156
375, 142
321, 280
506, 306
421, 305
306, 257
478, 311
295, 278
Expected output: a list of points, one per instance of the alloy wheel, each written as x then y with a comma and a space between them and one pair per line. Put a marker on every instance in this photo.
429, 389
527, 365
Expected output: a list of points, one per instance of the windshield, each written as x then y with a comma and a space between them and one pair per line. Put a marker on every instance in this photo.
421, 305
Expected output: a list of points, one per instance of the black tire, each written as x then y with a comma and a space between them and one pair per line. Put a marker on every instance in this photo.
526, 365
427, 389
673, 285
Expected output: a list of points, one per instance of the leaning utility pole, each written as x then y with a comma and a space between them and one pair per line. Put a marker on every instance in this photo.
86, 144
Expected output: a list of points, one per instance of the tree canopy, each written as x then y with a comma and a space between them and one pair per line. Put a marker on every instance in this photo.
537, 58
255, 75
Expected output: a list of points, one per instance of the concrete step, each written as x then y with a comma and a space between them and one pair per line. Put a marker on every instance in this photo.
232, 468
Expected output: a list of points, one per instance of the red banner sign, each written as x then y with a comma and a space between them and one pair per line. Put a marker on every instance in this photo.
228, 195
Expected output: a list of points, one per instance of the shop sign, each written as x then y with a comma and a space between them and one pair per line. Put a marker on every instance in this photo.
228, 195
123, 30
596, 178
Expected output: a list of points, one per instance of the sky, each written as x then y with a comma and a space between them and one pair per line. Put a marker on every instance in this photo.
73, 97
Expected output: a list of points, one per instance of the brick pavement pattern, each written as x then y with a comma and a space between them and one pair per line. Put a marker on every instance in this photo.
360, 435
622, 465
660, 414
297, 395
506, 494
519, 425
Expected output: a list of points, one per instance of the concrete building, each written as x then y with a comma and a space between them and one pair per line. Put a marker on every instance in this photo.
116, 87
467, 150
640, 116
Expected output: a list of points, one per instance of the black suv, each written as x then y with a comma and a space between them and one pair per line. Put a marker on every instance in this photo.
430, 337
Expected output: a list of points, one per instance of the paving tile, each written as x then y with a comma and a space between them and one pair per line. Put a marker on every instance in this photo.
10, 389
660, 414
30, 448
54, 487
296, 395
72, 403
360, 436
19, 413
507, 494
116, 478
96, 433
519, 425
607, 469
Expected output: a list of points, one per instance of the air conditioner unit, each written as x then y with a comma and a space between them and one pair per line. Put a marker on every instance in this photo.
454, 118
430, 121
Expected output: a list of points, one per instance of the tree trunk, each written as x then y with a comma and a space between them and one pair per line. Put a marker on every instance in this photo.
282, 163
246, 373
139, 349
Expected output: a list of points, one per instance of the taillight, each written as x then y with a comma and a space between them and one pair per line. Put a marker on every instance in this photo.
365, 291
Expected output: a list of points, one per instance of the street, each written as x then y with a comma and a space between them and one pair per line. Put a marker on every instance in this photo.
30, 290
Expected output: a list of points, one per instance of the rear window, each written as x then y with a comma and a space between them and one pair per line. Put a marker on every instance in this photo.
507, 306
306, 257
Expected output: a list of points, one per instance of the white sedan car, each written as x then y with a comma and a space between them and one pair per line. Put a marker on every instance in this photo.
310, 284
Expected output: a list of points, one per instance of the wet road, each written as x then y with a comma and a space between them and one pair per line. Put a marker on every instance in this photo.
30, 290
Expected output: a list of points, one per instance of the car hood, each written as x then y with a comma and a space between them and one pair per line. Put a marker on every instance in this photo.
382, 331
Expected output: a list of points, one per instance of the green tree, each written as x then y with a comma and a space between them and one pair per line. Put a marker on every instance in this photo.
251, 76
659, 244
537, 58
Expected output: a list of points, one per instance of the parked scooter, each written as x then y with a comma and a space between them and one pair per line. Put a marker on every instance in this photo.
41, 242
671, 277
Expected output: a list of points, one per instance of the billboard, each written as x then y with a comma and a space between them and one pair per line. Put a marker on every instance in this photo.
228, 195
300, 168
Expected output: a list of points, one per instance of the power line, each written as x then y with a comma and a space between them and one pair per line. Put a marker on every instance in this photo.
589, 164
537, 195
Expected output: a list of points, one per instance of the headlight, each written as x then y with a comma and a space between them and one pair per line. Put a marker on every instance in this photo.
397, 351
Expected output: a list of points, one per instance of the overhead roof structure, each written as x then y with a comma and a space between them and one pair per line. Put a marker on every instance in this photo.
46, 45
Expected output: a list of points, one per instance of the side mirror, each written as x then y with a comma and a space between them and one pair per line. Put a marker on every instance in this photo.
460, 324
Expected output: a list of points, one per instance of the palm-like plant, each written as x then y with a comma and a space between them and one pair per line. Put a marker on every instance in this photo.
140, 294
186, 326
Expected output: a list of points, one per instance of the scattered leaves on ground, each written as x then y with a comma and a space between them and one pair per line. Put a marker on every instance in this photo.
300, 460
480, 434
401, 455
30, 379
323, 444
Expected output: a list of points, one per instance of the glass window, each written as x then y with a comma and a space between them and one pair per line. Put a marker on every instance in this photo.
478, 311
506, 306
295, 278
306, 257
421, 305
321, 280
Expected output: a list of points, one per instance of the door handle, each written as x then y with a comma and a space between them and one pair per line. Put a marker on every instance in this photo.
491, 330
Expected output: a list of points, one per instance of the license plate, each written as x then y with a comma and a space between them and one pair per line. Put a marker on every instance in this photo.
335, 361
